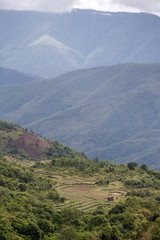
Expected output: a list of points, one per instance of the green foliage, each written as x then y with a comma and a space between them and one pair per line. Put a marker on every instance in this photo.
33, 231
68, 233
144, 167
53, 195
98, 220
58, 150
156, 230
132, 165
119, 208
106, 233
46, 226
22, 187
27, 198
7, 126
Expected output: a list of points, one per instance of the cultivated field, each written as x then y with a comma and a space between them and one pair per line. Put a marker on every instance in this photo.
83, 192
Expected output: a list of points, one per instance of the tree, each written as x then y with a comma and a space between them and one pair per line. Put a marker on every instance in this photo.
33, 231
22, 187
132, 165
144, 167
45, 225
68, 233
96, 160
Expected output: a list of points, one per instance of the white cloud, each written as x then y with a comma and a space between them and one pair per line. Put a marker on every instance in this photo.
66, 5
105, 5
122, 5
40, 5
142, 5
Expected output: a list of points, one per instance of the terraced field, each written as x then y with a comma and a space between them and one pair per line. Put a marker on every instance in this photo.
83, 192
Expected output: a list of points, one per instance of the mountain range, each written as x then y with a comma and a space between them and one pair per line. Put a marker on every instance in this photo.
48, 44
110, 112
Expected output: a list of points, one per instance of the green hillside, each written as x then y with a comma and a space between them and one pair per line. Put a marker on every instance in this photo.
110, 112
75, 198
18, 143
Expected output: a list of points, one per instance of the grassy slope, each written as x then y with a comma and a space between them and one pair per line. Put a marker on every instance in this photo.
112, 112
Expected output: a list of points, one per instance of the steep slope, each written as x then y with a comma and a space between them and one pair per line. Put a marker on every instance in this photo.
47, 44
110, 112
19, 143
8, 76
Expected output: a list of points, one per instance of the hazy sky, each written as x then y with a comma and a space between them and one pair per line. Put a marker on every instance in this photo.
151, 6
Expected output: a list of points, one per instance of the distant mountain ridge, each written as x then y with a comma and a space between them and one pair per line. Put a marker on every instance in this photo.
48, 44
8, 76
110, 112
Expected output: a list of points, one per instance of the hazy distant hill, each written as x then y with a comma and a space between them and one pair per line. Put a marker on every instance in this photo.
111, 112
47, 44
8, 76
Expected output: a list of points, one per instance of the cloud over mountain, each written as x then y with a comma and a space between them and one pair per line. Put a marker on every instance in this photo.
67, 5
143, 5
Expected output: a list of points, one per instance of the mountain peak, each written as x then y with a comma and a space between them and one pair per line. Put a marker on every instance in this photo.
48, 40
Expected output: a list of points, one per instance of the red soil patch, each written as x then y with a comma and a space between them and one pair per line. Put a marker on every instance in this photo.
31, 144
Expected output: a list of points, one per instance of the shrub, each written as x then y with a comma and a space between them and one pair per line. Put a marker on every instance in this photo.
33, 231
45, 225
132, 165
22, 187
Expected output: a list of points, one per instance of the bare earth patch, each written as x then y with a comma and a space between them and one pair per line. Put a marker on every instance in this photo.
31, 144
79, 188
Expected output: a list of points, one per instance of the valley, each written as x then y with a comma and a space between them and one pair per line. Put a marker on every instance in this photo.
79, 123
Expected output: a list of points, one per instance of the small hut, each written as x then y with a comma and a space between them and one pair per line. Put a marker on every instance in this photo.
110, 198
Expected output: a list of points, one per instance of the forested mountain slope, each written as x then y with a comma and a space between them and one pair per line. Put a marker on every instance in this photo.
110, 112
48, 44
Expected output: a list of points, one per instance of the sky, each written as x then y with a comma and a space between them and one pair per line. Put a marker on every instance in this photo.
150, 6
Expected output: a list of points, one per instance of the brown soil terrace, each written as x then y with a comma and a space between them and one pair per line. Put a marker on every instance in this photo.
79, 188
